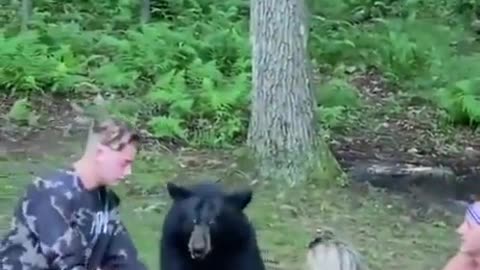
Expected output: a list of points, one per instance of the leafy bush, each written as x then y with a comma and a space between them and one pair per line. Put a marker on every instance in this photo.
338, 92
192, 81
186, 74
420, 46
462, 101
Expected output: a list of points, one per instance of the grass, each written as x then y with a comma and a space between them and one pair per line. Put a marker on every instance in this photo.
391, 231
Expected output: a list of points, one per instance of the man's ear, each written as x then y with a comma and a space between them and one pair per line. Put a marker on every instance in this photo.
99, 149
177, 192
239, 199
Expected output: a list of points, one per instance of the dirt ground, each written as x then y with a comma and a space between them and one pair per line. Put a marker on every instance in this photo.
397, 129
393, 129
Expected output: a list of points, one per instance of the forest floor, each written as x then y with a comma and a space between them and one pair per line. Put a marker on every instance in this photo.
395, 231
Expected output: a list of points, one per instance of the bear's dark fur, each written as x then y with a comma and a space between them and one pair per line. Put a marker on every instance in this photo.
231, 236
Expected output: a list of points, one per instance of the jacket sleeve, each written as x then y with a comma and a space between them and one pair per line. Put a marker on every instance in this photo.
48, 214
121, 253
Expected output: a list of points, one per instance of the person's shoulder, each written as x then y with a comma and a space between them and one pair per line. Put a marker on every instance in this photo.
56, 182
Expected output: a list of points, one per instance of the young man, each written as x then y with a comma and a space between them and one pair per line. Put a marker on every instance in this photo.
468, 256
68, 220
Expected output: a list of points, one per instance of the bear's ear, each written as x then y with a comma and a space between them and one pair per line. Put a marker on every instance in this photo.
239, 199
177, 192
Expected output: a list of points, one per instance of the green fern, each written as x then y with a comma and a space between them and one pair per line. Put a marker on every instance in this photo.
167, 127
190, 66
462, 101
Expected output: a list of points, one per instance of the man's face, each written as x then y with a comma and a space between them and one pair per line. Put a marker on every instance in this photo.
113, 165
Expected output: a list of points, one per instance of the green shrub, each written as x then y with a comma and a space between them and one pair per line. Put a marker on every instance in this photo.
190, 80
338, 92
186, 74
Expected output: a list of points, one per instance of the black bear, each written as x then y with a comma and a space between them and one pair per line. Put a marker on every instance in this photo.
206, 229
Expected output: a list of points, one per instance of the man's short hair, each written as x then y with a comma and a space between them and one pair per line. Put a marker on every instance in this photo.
113, 133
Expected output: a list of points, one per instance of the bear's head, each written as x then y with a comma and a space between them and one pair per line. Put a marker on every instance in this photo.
207, 212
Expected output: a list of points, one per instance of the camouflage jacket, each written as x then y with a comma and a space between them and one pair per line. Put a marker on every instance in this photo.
56, 224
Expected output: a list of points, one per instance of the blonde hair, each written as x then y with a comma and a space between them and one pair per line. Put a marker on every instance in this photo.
327, 253
111, 132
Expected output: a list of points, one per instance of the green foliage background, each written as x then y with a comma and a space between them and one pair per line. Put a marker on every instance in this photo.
185, 75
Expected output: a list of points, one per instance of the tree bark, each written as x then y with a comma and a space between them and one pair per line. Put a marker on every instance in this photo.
144, 11
282, 131
26, 11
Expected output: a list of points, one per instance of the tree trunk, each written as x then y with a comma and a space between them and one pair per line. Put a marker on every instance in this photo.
144, 11
26, 11
282, 133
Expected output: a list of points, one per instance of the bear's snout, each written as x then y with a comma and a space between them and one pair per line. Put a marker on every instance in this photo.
199, 244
